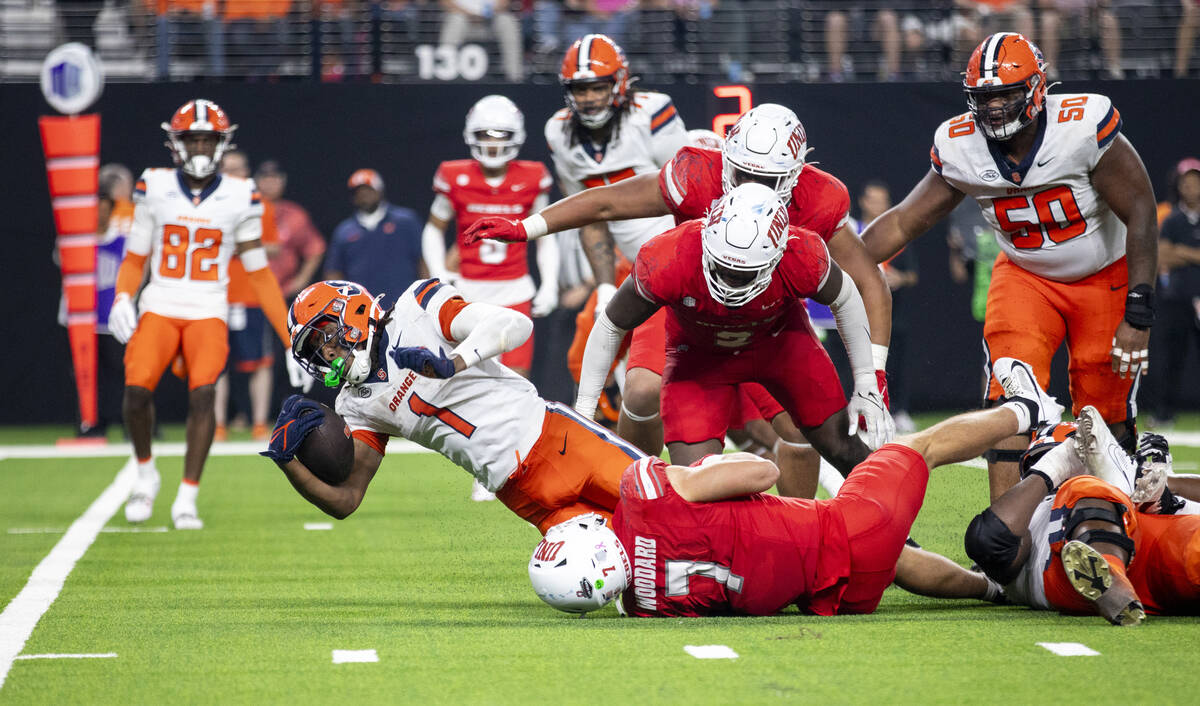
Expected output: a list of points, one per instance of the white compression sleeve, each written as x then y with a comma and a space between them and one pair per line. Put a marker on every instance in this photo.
602, 346
547, 262
850, 314
486, 330
433, 250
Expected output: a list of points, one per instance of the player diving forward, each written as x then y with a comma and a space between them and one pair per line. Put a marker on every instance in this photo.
707, 540
425, 370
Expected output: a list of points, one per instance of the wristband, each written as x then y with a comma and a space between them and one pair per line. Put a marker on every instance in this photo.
535, 226
1139, 307
879, 356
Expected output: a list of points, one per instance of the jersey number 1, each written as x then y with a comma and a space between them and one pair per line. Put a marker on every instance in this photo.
421, 408
201, 265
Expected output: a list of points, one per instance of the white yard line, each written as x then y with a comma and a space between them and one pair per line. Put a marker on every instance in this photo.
103, 655
710, 651
21, 615
318, 526
351, 656
1069, 649
107, 530
175, 448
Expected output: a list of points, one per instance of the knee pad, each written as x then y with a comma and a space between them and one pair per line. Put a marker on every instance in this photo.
1003, 455
1112, 514
991, 544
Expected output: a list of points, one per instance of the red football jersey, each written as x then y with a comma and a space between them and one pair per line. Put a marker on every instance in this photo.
669, 271
472, 197
750, 555
691, 182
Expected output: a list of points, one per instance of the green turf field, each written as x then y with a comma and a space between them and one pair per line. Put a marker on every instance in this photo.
250, 609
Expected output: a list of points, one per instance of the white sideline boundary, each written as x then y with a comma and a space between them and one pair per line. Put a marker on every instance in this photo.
22, 614
174, 448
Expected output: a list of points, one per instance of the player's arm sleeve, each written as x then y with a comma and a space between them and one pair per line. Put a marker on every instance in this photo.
548, 258
482, 330
602, 345
667, 133
850, 315
433, 236
137, 245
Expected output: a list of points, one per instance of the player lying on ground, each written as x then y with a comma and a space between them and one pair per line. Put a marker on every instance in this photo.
1121, 542
543, 461
707, 540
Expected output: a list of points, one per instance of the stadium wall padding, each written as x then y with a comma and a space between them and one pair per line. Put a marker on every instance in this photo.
322, 132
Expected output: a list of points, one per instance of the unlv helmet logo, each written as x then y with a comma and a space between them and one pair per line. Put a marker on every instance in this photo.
547, 551
778, 226
796, 141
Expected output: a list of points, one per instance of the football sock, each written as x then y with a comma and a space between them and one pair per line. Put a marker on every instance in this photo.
994, 592
188, 491
1055, 468
1024, 416
146, 468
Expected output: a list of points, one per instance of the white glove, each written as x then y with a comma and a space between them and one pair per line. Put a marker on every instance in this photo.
297, 376
544, 302
122, 318
878, 426
604, 294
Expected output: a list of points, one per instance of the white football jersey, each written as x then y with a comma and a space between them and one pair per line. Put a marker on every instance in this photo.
1048, 217
1045, 528
647, 137
190, 239
484, 419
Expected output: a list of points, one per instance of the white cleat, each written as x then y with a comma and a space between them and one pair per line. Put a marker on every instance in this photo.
140, 504
1107, 460
1019, 383
186, 519
480, 493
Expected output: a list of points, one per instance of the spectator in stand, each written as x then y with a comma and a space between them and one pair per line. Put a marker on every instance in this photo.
301, 246
462, 17
250, 338
79, 20
609, 17
1080, 13
193, 29
885, 29
1187, 35
1179, 256
379, 246
257, 34
976, 19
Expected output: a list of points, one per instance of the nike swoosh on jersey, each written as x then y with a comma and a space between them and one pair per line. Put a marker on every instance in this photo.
1044, 162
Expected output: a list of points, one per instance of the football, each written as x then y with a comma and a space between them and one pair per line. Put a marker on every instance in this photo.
328, 450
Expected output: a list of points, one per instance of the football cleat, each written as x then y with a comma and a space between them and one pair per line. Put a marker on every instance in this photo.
1111, 593
1106, 459
480, 493
140, 504
1020, 384
186, 519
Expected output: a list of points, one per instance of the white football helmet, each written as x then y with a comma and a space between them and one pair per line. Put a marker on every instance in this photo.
495, 131
768, 141
580, 565
745, 234
706, 140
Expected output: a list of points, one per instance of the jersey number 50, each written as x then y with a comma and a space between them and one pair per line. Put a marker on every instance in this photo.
201, 264
1056, 213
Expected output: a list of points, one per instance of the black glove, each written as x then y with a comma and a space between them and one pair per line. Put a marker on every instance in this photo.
424, 361
297, 419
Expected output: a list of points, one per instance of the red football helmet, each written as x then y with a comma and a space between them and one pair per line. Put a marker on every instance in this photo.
1046, 438
334, 312
1005, 62
592, 58
198, 115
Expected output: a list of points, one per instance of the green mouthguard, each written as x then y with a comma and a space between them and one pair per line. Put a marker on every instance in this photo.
337, 370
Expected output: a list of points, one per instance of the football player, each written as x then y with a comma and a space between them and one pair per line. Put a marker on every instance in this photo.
767, 144
188, 224
610, 133
425, 370
707, 539
733, 286
1074, 214
493, 181
1120, 542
